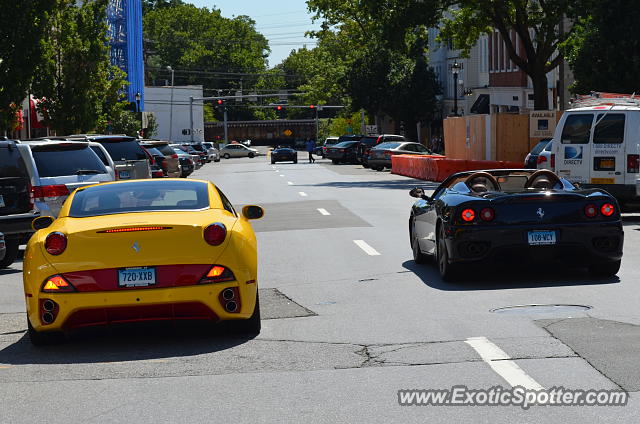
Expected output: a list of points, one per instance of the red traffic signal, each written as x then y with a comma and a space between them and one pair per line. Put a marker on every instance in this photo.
312, 106
279, 108
220, 101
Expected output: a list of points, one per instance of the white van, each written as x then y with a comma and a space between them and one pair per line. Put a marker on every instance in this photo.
599, 146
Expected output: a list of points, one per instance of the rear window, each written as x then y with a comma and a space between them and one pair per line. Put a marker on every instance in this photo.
165, 149
109, 199
56, 160
198, 147
391, 145
577, 129
153, 151
123, 150
394, 138
346, 144
369, 141
330, 141
349, 138
538, 147
11, 163
610, 129
98, 151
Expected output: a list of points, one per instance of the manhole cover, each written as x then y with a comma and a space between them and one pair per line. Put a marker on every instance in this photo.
555, 309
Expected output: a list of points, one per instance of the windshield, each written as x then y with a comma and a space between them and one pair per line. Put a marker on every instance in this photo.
139, 196
346, 144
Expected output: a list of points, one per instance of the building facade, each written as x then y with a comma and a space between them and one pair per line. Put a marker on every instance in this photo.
179, 119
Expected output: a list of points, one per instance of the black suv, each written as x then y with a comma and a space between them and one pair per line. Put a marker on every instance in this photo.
16, 207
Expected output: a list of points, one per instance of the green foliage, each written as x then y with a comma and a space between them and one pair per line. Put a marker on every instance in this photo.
538, 57
149, 5
24, 24
126, 122
604, 50
81, 91
350, 124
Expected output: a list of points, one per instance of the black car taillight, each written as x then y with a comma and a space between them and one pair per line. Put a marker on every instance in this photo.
590, 211
468, 215
487, 214
607, 209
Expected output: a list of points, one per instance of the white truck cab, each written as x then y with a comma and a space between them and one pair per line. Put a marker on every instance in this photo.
598, 145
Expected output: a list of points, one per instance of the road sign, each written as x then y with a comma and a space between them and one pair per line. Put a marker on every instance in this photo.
288, 133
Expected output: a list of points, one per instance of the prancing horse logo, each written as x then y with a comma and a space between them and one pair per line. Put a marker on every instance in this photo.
540, 213
136, 247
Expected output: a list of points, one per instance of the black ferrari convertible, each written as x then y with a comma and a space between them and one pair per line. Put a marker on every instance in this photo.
513, 216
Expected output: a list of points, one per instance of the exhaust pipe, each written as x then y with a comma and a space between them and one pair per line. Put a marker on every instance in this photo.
231, 306
48, 305
47, 318
228, 294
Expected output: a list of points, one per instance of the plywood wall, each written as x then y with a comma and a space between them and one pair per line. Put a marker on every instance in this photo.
465, 137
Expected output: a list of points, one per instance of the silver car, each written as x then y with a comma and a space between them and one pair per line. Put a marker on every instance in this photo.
57, 168
130, 159
214, 154
234, 150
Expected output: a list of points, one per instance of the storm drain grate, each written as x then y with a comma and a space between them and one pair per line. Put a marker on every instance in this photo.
275, 305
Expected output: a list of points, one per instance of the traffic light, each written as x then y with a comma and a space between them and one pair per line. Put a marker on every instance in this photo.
279, 108
312, 106
220, 102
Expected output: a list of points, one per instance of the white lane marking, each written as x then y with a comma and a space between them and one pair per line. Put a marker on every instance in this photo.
500, 362
281, 175
368, 249
323, 211
302, 193
289, 182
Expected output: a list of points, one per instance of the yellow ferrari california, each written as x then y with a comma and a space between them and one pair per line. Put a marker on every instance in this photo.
142, 250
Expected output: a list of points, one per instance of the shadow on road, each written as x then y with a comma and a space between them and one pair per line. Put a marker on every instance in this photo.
500, 278
124, 344
393, 184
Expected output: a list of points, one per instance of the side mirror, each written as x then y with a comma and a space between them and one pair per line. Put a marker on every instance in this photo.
252, 212
41, 222
417, 192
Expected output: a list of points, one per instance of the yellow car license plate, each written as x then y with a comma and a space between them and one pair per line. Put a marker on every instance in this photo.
137, 277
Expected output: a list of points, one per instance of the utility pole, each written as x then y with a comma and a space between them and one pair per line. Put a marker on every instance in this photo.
363, 124
226, 130
169, 68
191, 117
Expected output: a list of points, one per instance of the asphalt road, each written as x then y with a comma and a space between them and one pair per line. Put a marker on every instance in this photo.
349, 320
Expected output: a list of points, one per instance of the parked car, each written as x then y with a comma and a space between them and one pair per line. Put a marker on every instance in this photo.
102, 153
546, 158
130, 160
531, 161
370, 141
328, 142
187, 165
155, 159
3, 247
208, 155
57, 168
342, 152
213, 152
169, 161
236, 150
380, 156
198, 159
284, 154
17, 210
477, 217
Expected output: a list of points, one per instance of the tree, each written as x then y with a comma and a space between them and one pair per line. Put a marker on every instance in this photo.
81, 90
596, 64
22, 31
149, 5
538, 23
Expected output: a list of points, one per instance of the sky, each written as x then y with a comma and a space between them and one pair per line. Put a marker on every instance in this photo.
282, 22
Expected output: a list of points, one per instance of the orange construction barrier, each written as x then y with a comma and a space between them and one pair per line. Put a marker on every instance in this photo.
438, 168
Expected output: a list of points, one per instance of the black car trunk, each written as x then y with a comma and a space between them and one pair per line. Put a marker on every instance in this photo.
15, 195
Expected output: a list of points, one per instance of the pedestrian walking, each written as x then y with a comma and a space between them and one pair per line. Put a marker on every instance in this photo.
311, 145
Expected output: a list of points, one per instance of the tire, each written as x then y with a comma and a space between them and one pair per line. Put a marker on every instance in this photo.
295, 161
248, 326
273, 162
216, 160
365, 166
607, 269
379, 168
226, 156
11, 254
43, 338
335, 161
448, 272
418, 257
251, 155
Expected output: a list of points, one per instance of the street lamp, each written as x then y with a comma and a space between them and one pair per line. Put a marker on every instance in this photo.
455, 69
169, 68
138, 98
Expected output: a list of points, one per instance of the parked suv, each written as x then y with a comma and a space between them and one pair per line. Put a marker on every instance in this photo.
16, 208
57, 168
130, 160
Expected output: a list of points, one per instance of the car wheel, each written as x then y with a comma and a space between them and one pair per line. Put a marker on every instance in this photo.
335, 161
11, 253
448, 272
418, 256
379, 168
251, 325
365, 166
295, 161
216, 160
226, 156
43, 338
607, 269
273, 162
251, 155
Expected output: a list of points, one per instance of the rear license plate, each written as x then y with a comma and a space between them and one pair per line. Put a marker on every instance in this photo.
537, 238
137, 277
2, 205
603, 180
124, 175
